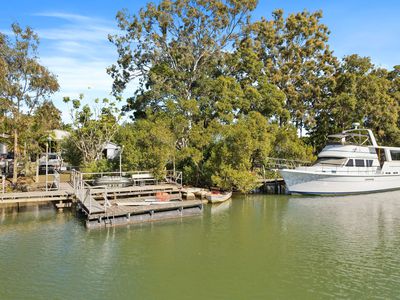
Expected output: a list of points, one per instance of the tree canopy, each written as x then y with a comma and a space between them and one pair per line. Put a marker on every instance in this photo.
210, 90
24, 82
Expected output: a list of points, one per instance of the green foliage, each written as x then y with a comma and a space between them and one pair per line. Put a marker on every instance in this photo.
24, 82
287, 145
92, 127
156, 144
362, 93
213, 85
71, 153
237, 149
98, 166
148, 145
217, 93
293, 54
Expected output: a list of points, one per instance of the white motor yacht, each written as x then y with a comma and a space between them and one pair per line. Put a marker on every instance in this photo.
351, 163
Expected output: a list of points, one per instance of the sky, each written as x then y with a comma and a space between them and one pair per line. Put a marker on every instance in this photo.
74, 44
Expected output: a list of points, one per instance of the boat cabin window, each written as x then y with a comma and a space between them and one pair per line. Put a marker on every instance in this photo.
330, 161
53, 156
395, 154
360, 163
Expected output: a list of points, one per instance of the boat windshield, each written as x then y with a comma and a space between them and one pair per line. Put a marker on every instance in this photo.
349, 138
330, 161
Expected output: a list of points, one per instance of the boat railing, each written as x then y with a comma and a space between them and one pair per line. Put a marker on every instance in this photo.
342, 170
273, 163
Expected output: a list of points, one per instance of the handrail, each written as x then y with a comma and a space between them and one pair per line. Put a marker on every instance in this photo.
56, 181
3, 186
345, 170
83, 189
174, 177
282, 163
117, 173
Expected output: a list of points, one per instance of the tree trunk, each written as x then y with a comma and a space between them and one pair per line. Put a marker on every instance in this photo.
15, 168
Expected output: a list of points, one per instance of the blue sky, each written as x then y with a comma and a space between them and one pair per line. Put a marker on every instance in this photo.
74, 42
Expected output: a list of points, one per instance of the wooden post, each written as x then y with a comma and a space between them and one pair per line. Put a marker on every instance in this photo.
47, 162
3, 184
37, 170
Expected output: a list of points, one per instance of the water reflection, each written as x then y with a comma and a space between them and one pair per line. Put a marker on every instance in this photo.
250, 247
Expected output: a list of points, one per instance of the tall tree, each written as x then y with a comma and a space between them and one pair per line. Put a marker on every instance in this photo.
294, 55
170, 46
26, 82
176, 50
362, 93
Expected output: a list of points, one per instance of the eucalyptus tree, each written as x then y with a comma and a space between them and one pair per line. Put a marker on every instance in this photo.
25, 83
170, 48
362, 93
173, 54
293, 54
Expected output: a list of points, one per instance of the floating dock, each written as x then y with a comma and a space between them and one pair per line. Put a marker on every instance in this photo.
146, 200
63, 196
111, 206
124, 215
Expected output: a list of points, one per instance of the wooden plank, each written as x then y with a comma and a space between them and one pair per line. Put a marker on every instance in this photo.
115, 210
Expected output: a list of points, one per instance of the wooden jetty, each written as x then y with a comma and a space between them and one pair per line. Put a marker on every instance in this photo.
62, 196
147, 199
105, 206
273, 186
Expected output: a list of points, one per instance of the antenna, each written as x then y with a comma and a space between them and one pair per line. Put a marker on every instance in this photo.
356, 125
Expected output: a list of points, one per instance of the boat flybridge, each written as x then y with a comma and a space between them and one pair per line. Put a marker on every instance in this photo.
351, 163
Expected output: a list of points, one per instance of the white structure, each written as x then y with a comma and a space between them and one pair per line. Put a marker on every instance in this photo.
111, 150
3, 148
58, 135
352, 163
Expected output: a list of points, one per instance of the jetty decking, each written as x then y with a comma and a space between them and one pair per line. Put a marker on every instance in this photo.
145, 199
123, 215
64, 192
105, 206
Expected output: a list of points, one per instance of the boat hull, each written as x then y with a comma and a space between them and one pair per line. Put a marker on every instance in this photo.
218, 198
318, 183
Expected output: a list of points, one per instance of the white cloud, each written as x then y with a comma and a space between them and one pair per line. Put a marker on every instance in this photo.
78, 52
